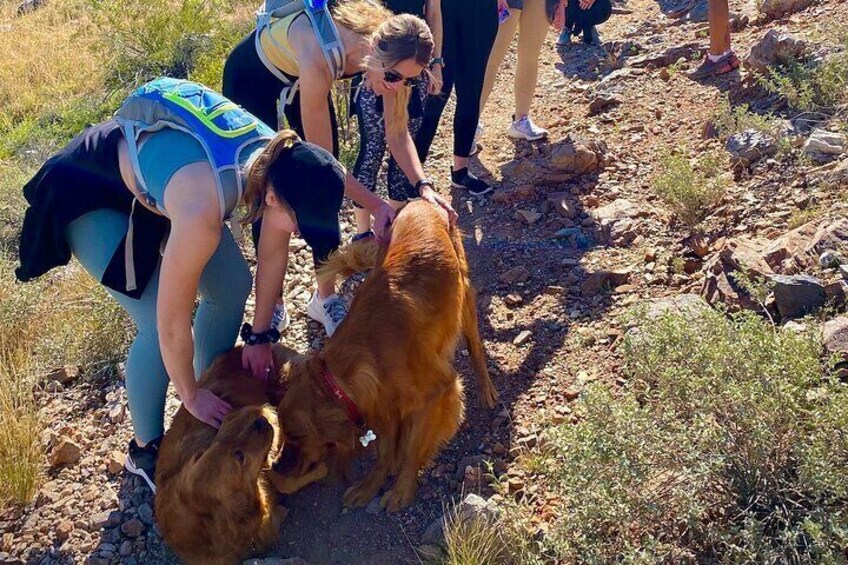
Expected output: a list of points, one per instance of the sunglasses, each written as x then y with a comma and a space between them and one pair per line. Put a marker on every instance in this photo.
391, 76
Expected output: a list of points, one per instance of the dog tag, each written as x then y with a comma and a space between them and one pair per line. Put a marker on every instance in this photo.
367, 438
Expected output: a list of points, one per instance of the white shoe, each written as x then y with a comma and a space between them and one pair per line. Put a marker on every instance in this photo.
330, 311
526, 129
478, 134
280, 318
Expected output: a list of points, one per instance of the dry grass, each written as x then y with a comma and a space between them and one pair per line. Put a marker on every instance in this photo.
47, 60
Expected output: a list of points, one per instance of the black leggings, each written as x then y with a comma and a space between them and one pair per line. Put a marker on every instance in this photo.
470, 27
249, 83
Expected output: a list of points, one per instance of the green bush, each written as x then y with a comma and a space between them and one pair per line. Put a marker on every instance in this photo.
729, 446
813, 86
691, 192
175, 38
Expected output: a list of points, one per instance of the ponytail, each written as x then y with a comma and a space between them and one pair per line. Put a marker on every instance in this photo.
257, 177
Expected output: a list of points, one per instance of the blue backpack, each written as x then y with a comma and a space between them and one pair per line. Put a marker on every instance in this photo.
223, 128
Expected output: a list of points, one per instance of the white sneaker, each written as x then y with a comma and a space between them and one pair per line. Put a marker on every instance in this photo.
280, 319
481, 129
330, 311
526, 129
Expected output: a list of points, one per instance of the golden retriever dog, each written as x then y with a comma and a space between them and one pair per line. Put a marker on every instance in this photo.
388, 370
213, 504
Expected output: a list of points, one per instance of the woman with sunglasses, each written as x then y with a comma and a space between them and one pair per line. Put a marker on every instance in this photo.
366, 29
390, 104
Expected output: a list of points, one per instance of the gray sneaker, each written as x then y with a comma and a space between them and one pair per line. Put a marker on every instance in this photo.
280, 318
526, 129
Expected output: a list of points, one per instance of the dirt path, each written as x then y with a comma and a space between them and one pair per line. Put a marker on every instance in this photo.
83, 511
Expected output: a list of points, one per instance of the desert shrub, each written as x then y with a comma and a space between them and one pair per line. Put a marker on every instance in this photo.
729, 446
175, 38
690, 191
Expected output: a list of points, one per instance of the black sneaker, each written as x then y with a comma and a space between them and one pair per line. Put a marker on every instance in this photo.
141, 461
464, 179
591, 36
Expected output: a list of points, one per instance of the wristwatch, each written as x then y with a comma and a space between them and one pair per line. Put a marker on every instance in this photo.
423, 182
269, 336
437, 61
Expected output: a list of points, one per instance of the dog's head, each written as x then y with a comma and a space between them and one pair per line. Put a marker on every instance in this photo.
242, 448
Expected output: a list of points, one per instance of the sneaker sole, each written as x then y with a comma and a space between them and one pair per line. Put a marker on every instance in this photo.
130, 467
487, 191
525, 137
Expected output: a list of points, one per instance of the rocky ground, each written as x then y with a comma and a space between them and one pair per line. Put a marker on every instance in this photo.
574, 236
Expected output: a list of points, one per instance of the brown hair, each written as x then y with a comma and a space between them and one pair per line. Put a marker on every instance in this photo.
257, 177
397, 39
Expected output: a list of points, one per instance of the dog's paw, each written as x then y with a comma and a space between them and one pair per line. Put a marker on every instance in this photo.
395, 500
358, 496
489, 397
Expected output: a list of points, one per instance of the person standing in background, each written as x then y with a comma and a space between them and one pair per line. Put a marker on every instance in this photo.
720, 58
469, 31
370, 113
529, 18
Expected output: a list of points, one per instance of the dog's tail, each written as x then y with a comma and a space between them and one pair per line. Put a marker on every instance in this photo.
487, 391
354, 258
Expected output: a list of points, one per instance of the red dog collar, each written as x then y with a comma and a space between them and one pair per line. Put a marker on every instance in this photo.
349, 405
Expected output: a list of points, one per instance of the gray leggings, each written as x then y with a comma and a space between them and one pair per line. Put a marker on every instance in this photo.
224, 287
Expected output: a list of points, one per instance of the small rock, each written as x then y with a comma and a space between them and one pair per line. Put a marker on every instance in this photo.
686, 304
513, 300
126, 548
28, 6
64, 529
64, 375
66, 452
750, 145
823, 146
517, 274
529, 217
522, 338
576, 155
830, 259
560, 203
115, 462
518, 194
145, 513
778, 8
53, 387
133, 528
843, 270
835, 337
374, 507
798, 295
603, 102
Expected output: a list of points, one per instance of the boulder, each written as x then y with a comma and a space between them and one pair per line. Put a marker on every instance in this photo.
775, 9
823, 146
576, 155
616, 221
798, 295
601, 103
721, 284
749, 146
775, 49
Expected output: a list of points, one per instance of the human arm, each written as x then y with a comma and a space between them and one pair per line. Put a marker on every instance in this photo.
433, 14
586, 4
315, 86
272, 260
403, 150
192, 241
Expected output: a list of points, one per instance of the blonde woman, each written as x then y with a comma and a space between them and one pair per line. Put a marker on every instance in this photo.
530, 19
291, 45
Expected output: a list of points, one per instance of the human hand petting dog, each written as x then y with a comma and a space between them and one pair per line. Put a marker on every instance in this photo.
207, 407
259, 360
383, 218
427, 193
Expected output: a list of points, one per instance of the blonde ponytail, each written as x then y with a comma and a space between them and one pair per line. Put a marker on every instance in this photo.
257, 176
